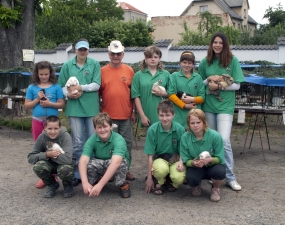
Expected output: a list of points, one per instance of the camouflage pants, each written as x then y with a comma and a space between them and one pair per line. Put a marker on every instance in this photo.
45, 168
97, 168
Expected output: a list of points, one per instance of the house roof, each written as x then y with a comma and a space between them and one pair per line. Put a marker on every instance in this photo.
281, 41
126, 6
63, 46
224, 4
163, 42
233, 47
251, 20
45, 51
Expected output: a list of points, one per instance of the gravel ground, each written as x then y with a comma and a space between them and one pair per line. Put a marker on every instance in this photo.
261, 200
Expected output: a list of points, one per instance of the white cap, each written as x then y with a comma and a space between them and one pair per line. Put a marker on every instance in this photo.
116, 47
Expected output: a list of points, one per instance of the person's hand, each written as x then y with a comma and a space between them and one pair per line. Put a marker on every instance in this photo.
75, 95
180, 166
215, 78
156, 92
149, 185
145, 121
95, 191
190, 106
133, 118
187, 99
198, 163
213, 85
53, 154
208, 160
45, 103
41, 95
86, 187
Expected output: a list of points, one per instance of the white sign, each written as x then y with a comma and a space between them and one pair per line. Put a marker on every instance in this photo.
10, 102
28, 55
241, 116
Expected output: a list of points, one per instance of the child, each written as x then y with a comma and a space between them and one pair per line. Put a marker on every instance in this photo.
51, 162
45, 97
162, 147
104, 158
146, 99
198, 139
187, 81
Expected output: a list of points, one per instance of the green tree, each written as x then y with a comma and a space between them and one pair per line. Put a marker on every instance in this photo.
209, 24
132, 33
275, 16
17, 30
70, 18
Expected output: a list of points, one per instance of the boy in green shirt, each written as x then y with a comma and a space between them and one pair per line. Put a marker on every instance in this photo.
104, 158
162, 148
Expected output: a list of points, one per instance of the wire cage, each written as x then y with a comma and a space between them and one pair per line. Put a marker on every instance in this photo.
250, 95
275, 97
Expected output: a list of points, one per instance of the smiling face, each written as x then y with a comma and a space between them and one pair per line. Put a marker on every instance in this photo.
52, 129
218, 46
165, 118
103, 131
81, 53
153, 60
44, 75
186, 66
116, 58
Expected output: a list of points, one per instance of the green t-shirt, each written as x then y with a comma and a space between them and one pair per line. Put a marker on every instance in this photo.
193, 86
141, 87
158, 141
88, 103
116, 145
212, 104
212, 142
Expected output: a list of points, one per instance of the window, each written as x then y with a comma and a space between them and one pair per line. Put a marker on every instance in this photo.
234, 24
238, 25
244, 13
203, 8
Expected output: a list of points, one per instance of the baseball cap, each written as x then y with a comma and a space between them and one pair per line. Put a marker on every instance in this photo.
116, 47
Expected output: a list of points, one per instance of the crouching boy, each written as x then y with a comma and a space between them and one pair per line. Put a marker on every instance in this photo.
104, 158
52, 154
162, 149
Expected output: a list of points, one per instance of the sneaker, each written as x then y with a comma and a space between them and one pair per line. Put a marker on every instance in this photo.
75, 182
197, 191
215, 194
41, 184
125, 191
234, 185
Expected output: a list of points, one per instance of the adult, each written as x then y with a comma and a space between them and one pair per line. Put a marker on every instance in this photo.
104, 158
115, 92
145, 96
162, 149
83, 99
54, 161
188, 82
198, 139
219, 112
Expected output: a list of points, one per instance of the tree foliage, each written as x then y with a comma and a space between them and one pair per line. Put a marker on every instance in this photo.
69, 19
275, 16
132, 33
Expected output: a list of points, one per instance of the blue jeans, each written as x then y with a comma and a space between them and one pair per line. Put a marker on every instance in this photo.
79, 126
223, 124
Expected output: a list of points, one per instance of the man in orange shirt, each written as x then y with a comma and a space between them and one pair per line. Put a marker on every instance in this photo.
115, 92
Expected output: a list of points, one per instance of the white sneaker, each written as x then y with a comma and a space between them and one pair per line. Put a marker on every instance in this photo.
234, 185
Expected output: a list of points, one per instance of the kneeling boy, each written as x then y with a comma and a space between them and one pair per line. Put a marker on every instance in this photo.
54, 161
104, 158
162, 148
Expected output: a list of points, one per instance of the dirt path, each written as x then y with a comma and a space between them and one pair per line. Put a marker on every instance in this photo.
261, 200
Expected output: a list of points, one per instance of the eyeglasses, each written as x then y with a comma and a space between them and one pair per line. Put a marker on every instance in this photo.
118, 54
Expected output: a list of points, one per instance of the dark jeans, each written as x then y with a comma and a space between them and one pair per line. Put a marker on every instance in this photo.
194, 175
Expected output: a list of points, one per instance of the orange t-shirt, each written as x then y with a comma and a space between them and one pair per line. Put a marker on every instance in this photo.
115, 91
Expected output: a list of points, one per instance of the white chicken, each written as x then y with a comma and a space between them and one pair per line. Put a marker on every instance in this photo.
8, 89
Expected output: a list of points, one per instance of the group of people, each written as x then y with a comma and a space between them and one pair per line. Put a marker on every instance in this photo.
174, 109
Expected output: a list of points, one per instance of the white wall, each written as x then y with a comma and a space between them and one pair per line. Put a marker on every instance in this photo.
275, 56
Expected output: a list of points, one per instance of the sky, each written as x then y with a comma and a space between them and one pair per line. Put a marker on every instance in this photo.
176, 7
